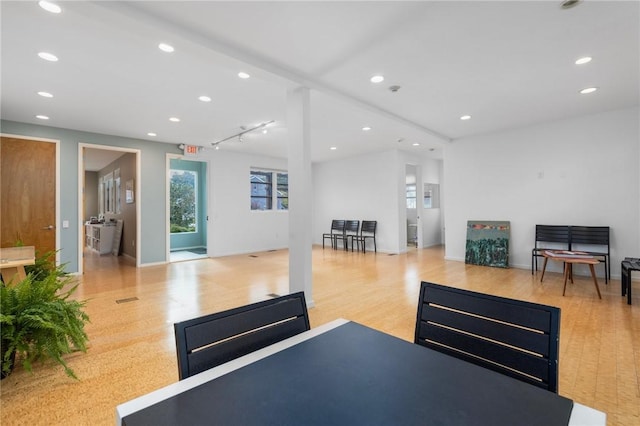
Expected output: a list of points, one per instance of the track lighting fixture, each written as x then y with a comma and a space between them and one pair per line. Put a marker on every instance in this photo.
244, 131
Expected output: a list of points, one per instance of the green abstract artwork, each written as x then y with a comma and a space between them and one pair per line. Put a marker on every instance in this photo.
488, 243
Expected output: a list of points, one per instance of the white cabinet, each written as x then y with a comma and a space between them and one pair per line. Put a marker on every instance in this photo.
99, 238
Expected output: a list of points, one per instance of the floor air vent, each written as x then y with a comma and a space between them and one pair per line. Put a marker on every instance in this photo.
129, 299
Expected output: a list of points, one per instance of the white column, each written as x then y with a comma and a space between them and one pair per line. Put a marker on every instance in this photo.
300, 192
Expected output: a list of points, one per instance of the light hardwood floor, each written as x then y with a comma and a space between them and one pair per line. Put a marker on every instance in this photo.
132, 348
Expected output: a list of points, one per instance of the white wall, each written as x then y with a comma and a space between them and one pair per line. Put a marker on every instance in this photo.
582, 171
233, 227
368, 187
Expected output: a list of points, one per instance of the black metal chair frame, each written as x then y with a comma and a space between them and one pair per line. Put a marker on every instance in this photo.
367, 231
513, 337
351, 229
211, 340
337, 228
593, 236
626, 266
557, 234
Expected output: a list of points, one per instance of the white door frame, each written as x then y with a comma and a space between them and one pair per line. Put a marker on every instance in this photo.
57, 202
136, 196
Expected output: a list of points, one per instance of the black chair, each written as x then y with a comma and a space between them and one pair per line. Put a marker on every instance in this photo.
626, 266
206, 342
351, 229
582, 236
337, 228
367, 231
516, 338
559, 235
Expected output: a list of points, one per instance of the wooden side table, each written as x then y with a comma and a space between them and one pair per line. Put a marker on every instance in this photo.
569, 258
13, 261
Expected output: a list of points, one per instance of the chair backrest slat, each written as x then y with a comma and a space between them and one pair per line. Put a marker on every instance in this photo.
369, 226
211, 340
338, 225
552, 233
352, 226
595, 235
516, 338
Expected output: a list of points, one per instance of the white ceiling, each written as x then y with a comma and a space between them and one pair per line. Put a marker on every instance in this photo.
506, 63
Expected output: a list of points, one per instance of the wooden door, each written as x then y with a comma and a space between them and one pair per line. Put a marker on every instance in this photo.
28, 193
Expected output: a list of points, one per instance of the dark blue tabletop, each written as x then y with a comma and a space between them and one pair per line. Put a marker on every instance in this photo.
354, 375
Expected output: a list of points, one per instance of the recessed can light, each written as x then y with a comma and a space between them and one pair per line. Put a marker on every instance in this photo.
45, 94
48, 56
204, 98
584, 60
174, 119
244, 75
151, 134
377, 79
166, 47
465, 117
366, 128
415, 144
42, 117
50, 7
333, 148
588, 90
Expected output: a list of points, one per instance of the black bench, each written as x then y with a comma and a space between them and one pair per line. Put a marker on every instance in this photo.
566, 237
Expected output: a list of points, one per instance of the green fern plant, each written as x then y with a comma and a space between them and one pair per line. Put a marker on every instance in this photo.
39, 321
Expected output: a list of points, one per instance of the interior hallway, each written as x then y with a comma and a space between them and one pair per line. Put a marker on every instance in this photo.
132, 351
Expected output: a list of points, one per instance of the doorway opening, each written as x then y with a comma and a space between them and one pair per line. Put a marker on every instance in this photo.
109, 207
187, 203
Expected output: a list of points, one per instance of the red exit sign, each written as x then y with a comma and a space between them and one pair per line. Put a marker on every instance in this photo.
191, 149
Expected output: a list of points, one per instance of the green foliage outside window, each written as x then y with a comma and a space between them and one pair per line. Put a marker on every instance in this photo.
182, 194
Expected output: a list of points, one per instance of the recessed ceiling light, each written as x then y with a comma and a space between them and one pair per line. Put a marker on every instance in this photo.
48, 56
366, 128
584, 60
45, 94
265, 131
415, 144
333, 148
204, 98
588, 90
50, 7
151, 134
377, 79
42, 117
465, 117
166, 47
174, 119
243, 75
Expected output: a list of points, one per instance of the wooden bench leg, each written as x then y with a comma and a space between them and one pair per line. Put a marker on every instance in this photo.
595, 280
566, 275
544, 268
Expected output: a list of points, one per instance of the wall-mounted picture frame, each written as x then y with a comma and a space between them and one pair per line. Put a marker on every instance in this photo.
129, 192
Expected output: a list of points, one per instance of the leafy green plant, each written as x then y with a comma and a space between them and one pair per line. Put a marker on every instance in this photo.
39, 321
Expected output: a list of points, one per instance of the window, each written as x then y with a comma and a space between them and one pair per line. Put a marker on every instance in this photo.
265, 192
411, 196
431, 196
183, 201
283, 191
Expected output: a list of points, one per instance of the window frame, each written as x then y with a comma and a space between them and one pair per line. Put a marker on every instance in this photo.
196, 200
275, 200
